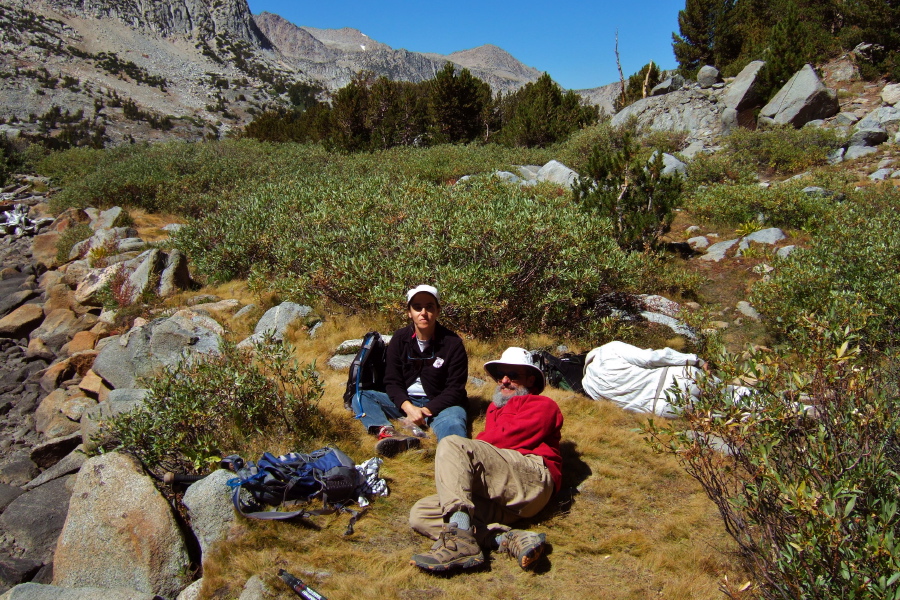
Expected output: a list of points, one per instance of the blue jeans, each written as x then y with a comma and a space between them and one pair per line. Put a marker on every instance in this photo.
378, 408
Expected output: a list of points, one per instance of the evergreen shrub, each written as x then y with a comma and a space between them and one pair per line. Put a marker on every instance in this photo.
783, 205
510, 259
621, 185
222, 404
849, 270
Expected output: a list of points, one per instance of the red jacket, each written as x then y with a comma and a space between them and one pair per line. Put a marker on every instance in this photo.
529, 425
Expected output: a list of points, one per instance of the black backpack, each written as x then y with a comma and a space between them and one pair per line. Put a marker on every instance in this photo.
563, 372
327, 474
366, 371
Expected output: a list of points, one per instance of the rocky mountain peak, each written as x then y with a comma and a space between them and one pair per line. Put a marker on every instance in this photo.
293, 42
346, 39
199, 19
492, 58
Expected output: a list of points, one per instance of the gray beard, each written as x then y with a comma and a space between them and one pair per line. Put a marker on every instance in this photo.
500, 400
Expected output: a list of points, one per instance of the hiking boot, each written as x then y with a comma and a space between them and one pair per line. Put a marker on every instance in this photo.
454, 549
525, 546
390, 443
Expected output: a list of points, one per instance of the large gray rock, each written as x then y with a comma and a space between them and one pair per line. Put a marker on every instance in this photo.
742, 93
717, 251
175, 275
209, 505
890, 94
803, 98
694, 111
854, 152
160, 344
883, 117
672, 165
668, 85
120, 532
107, 218
708, 76
558, 173
34, 519
37, 591
276, 321
869, 136
769, 235
148, 265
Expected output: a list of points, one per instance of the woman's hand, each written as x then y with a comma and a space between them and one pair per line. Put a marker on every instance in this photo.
416, 414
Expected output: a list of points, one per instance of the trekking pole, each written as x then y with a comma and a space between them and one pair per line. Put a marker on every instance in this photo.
173, 478
300, 588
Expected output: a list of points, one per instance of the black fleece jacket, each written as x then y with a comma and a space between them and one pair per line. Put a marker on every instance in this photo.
443, 377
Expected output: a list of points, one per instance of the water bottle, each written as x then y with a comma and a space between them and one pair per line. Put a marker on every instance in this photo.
412, 428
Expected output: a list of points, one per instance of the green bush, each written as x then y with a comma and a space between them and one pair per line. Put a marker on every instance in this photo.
509, 259
782, 150
632, 193
849, 269
782, 205
70, 237
718, 168
811, 500
221, 404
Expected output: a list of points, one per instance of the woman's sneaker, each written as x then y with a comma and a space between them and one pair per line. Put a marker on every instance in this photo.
390, 443
525, 546
454, 549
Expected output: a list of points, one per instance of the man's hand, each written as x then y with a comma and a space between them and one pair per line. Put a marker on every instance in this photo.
415, 413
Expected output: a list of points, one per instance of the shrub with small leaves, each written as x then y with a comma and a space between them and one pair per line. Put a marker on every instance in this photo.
210, 406
810, 497
68, 238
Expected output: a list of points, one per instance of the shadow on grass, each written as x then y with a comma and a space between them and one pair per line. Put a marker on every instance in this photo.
574, 472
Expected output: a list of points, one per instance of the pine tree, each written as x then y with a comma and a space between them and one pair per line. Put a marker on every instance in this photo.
786, 53
349, 109
540, 114
456, 104
697, 24
633, 194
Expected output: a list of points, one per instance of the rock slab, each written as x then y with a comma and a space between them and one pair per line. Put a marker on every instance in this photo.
120, 532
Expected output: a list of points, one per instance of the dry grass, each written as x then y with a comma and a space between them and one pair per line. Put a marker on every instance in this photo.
628, 523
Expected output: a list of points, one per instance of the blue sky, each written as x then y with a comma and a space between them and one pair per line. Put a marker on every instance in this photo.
573, 41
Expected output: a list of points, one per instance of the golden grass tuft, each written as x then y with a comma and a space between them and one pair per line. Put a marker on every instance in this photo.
629, 523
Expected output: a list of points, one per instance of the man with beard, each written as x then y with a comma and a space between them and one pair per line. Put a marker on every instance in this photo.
509, 472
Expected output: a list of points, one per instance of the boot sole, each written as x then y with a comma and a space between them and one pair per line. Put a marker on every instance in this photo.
461, 563
531, 556
392, 446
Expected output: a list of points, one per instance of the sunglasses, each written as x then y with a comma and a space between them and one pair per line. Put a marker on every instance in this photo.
409, 357
516, 375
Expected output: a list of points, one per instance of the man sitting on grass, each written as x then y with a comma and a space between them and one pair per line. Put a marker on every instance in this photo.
509, 472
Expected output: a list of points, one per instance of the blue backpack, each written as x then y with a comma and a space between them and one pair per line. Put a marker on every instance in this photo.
294, 478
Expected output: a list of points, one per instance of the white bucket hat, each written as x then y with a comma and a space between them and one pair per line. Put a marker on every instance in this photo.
517, 357
428, 289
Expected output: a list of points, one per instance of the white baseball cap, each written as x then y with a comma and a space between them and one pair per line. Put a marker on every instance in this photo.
428, 289
517, 357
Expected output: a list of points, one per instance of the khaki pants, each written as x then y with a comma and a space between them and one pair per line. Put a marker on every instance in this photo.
494, 485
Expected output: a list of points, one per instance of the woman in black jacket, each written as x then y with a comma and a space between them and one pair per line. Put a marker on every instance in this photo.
425, 377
